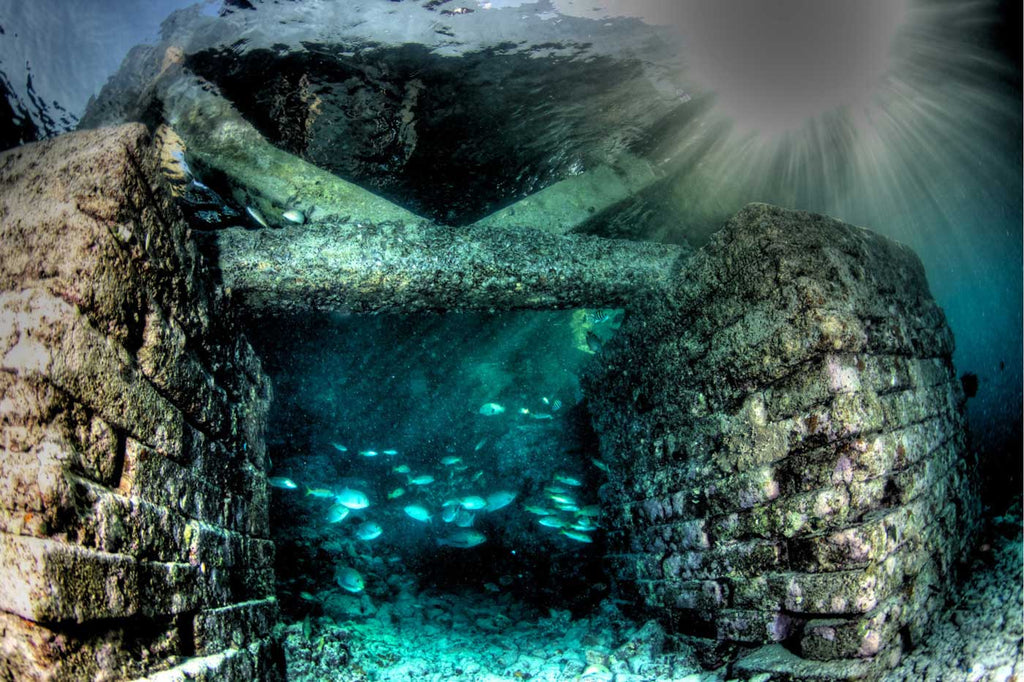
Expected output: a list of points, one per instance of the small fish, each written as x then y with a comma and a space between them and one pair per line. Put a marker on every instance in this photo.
421, 479
476, 476
576, 535
540, 415
591, 510
353, 499
449, 512
339, 447
390, 453
568, 480
337, 513
402, 469
396, 493
600, 465
551, 521
294, 216
282, 482
256, 216
545, 400
450, 460
569, 507
307, 596
369, 530
473, 502
555, 489
491, 409
368, 453
556, 406
322, 493
561, 499
499, 499
417, 513
539, 511
593, 342
584, 524
524, 410
463, 518
480, 444
463, 539
349, 579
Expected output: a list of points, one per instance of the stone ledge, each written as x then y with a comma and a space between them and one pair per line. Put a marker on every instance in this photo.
34, 653
830, 639
49, 581
231, 665
783, 665
234, 625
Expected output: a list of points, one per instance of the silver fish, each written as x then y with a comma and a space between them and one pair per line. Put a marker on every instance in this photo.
349, 579
576, 535
282, 482
390, 452
368, 453
499, 499
449, 512
450, 460
417, 513
396, 493
337, 513
491, 409
353, 499
551, 521
473, 502
294, 216
463, 539
463, 518
421, 479
369, 530
257, 216
339, 447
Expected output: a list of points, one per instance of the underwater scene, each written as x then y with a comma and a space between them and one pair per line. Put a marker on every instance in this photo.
511, 340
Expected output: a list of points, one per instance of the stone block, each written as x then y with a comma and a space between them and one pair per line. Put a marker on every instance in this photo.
167, 361
48, 581
849, 638
164, 482
33, 652
755, 627
235, 625
42, 337
785, 666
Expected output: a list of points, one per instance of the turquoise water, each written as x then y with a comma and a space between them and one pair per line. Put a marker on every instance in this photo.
436, 475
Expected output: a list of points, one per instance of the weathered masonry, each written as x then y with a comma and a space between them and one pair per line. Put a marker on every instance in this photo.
790, 486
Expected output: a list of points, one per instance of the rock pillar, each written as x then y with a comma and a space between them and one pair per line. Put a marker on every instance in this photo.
133, 497
786, 433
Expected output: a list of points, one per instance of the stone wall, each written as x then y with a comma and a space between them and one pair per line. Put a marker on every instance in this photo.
133, 498
786, 430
